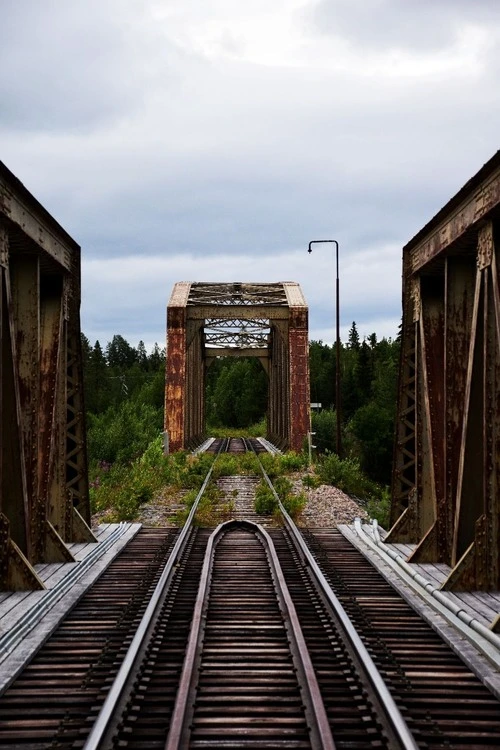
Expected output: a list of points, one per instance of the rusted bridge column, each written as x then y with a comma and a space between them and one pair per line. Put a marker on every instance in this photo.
44, 499
300, 414
446, 495
175, 385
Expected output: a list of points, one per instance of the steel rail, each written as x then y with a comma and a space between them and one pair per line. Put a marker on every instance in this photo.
320, 732
402, 734
101, 734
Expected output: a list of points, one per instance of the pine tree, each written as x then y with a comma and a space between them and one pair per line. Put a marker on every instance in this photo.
353, 340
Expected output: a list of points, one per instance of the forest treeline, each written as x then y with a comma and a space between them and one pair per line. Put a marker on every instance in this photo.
124, 397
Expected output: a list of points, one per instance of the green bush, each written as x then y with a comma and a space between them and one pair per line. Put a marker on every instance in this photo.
265, 502
227, 465
373, 429
123, 433
324, 425
195, 469
291, 461
294, 504
345, 474
283, 487
311, 481
122, 488
379, 507
271, 463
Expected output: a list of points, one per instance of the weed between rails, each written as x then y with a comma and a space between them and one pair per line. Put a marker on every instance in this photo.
118, 491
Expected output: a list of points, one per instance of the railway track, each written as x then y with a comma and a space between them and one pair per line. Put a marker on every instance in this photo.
236, 445
444, 703
56, 694
238, 638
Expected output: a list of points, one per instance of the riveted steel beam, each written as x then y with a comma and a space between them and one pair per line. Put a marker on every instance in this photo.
445, 492
43, 465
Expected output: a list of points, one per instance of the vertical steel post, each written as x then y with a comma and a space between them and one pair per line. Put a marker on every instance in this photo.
337, 344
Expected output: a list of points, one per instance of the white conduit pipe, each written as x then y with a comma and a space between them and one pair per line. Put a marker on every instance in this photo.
422, 582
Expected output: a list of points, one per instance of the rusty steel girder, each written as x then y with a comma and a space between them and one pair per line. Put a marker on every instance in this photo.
445, 495
43, 465
267, 321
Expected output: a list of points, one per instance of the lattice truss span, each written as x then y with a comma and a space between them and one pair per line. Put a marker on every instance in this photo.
237, 333
264, 320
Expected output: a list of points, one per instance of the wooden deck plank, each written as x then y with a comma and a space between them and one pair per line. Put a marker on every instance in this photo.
16, 604
404, 549
14, 607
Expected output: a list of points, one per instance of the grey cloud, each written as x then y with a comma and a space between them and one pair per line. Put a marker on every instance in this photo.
163, 152
74, 66
422, 26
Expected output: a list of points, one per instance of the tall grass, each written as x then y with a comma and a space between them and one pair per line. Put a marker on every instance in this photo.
347, 475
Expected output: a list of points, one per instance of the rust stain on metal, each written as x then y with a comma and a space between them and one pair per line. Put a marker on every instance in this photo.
205, 320
39, 310
448, 435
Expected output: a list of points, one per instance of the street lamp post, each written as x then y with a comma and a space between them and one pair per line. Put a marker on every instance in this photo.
337, 374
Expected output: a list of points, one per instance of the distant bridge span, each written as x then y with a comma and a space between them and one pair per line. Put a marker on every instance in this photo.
268, 321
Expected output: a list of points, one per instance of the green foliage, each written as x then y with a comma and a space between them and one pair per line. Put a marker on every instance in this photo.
379, 507
121, 488
294, 504
258, 429
272, 464
373, 429
195, 470
211, 511
119, 374
311, 481
283, 487
368, 379
231, 464
123, 433
265, 502
322, 367
345, 474
291, 461
324, 425
236, 394
348, 476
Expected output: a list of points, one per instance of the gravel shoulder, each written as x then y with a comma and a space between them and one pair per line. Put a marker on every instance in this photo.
328, 506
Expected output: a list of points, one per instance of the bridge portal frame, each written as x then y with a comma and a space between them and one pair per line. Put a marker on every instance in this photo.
284, 355
44, 499
446, 477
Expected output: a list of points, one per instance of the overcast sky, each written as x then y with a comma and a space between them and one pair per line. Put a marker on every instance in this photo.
211, 140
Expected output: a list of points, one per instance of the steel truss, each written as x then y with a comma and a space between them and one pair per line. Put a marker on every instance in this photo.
44, 500
267, 321
446, 480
